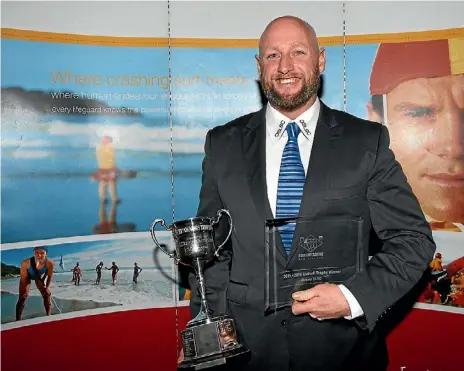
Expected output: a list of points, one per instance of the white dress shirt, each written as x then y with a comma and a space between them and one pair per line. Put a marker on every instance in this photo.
276, 139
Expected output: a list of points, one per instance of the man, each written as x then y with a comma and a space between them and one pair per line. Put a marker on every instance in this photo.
436, 265
417, 90
37, 268
350, 175
137, 271
98, 269
114, 272
107, 171
77, 274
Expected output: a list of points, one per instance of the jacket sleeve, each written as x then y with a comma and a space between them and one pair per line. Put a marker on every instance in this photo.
216, 274
406, 238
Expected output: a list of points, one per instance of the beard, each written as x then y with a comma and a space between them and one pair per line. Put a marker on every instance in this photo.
295, 101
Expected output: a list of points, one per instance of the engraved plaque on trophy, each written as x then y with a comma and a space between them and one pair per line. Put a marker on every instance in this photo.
208, 340
323, 250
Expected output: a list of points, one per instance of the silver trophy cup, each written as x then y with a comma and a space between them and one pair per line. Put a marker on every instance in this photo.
208, 340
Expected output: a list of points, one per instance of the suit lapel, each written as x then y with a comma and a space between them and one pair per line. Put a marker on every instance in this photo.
328, 131
254, 155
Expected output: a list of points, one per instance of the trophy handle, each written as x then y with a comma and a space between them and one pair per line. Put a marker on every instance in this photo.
220, 213
160, 246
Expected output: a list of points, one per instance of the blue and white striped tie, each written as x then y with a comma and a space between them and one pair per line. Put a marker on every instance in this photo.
290, 185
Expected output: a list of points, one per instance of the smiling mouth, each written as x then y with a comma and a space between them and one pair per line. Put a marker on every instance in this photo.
290, 80
447, 179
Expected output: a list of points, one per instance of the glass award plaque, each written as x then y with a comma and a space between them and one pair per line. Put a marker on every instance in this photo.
324, 250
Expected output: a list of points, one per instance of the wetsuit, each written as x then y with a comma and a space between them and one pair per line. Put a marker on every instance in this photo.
99, 273
114, 273
137, 270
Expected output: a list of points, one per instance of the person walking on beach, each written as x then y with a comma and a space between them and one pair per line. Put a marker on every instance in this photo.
114, 274
38, 268
137, 271
99, 273
77, 273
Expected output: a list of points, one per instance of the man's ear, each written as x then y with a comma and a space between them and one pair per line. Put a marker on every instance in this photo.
258, 66
322, 60
372, 115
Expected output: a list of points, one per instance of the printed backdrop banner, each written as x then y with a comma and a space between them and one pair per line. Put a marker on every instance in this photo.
98, 141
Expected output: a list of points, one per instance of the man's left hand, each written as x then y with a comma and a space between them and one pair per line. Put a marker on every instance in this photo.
324, 301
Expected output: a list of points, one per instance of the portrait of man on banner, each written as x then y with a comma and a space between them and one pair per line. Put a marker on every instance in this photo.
417, 90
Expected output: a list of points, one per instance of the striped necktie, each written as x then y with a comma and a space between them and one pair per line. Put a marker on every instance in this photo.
290, 186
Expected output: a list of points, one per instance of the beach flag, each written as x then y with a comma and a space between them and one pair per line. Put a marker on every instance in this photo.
61, 262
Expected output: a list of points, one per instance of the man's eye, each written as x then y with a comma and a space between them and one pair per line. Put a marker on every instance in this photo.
272, 56
299, 52
420, 112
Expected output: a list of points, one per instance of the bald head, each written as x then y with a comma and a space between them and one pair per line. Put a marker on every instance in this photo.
290, 63
288, 24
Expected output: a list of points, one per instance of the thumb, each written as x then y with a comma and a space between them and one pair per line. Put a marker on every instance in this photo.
303, 295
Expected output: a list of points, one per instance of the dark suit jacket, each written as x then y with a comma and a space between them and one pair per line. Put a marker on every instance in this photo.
352, 174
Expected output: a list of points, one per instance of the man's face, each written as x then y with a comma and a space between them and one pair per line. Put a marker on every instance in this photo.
289, 65
40, 255
426, 125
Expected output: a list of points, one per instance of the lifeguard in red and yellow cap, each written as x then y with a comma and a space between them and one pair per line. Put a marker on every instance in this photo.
417, 90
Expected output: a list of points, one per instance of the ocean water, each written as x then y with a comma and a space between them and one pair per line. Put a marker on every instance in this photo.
42, 208
47, 191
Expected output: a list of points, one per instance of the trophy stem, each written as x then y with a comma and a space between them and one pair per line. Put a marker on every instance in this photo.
205, 312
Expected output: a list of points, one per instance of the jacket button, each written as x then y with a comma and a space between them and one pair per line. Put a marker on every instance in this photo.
284, 323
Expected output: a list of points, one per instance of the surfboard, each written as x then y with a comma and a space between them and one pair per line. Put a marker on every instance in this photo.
120, 174
116, 228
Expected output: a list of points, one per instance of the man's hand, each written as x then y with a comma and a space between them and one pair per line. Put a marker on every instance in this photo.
324, 301
181, 357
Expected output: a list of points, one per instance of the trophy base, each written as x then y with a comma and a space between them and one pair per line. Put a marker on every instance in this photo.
211, 342
231, 358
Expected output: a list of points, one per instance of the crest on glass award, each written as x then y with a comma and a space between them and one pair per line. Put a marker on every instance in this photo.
208, 340
323, 250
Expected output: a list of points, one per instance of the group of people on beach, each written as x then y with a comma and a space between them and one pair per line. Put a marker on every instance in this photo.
40, 269
77, 273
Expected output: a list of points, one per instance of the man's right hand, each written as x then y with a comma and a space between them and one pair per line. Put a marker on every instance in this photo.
181, 357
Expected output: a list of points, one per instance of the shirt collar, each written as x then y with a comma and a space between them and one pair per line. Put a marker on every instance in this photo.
276, 122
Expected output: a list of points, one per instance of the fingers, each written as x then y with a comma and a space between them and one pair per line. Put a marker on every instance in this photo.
304, 295
315, 308
181, 357
299, 307
302, 301
318, 302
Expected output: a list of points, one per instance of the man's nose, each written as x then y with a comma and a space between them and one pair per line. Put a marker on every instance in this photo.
448, 140
285, 64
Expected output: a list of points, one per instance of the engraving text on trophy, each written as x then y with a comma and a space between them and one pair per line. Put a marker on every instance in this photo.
315, 275
193, 228
188, 343
196, 245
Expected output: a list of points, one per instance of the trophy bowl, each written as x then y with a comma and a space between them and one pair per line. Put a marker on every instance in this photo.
193, 239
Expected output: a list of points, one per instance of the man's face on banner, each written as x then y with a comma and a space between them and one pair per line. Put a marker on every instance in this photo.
40, 255
426, 124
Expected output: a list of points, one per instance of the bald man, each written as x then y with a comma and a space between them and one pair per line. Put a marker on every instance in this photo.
296, 157
417, 90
